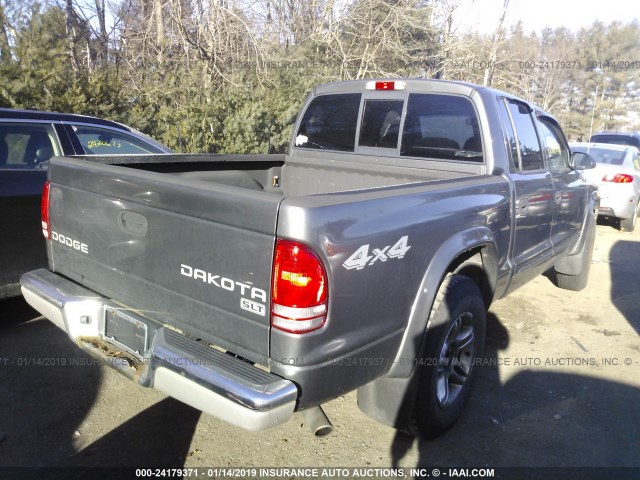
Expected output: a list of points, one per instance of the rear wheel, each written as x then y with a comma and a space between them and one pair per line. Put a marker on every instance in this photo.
629, 224
455, 343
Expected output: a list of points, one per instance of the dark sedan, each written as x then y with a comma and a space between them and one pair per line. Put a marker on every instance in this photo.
28, 139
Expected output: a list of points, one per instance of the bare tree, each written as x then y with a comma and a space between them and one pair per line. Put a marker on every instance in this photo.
102, 34
70, 17
5, 46
158, 22
498, 38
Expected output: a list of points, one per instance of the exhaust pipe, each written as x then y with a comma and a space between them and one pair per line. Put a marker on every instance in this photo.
317, 421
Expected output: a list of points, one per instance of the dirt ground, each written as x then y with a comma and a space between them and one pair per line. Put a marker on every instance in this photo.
561, 387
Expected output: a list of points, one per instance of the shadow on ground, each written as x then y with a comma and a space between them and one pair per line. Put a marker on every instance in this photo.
535, 419
625, 280
157, 437
48, 387
611, 222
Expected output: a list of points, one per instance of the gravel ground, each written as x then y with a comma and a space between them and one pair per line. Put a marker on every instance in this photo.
560, 388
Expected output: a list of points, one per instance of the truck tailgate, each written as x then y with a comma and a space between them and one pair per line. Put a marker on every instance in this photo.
193, 255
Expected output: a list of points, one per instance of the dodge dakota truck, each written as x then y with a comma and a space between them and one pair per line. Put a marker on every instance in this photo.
255, 286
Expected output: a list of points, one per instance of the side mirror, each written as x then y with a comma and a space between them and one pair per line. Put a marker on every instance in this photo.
582, 161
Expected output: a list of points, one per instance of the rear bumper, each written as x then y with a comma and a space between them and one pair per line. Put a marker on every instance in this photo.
619, 206
190, 371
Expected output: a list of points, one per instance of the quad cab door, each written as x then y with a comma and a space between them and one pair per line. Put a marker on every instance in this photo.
570, 190
531, 247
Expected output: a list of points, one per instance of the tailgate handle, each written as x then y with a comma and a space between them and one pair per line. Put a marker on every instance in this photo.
133, 223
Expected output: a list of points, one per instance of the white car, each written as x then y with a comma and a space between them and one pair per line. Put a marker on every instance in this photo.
617, 175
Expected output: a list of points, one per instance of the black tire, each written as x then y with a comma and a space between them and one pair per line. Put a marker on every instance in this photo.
455, 344
579, 281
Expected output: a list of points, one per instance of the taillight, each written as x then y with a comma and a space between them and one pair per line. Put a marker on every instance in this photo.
618, 178
44, 211
299, 289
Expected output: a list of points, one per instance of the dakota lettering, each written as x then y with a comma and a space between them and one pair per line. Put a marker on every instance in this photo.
223, 282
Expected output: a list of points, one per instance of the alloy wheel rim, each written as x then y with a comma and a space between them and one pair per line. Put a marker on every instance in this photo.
455, 360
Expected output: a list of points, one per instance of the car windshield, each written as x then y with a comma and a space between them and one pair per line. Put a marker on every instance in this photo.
603, 155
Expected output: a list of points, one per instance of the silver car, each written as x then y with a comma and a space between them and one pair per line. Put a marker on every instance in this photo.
617, 174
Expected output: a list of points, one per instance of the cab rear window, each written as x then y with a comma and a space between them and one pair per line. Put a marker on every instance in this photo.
442, 127
329, 123
437, 126
381, 123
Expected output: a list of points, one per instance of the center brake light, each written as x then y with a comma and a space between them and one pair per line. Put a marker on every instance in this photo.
299, 289
386, 85
618, 178
44, 211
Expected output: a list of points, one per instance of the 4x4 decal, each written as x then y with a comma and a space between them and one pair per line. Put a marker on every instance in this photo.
361, 258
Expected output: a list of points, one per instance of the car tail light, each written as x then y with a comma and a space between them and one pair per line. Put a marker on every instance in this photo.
44, 211
299, 289
618, 178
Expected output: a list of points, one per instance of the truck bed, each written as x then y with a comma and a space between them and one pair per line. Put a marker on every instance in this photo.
294, 175
189, 240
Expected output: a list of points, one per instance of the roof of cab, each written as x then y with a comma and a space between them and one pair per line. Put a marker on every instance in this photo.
424, 85
411, 84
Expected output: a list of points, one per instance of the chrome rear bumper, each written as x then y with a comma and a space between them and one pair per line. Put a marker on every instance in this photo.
190, 371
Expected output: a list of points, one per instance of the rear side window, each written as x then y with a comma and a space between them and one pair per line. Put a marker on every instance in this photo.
557, 150
529, 152
443, 127
26, 146
104, 141
509, 135
329, 123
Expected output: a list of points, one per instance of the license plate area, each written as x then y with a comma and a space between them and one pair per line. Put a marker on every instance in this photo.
126, 331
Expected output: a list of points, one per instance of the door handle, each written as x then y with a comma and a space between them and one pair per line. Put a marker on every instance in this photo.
558, 197
523, 207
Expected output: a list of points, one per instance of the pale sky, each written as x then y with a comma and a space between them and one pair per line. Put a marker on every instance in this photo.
483, 15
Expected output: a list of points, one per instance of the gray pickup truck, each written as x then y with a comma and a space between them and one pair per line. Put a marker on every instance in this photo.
365, 258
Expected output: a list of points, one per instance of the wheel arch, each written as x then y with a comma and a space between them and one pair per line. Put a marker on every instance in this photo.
480, 265
390, 399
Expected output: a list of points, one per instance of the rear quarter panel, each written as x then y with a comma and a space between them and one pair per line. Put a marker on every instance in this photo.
370, 307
